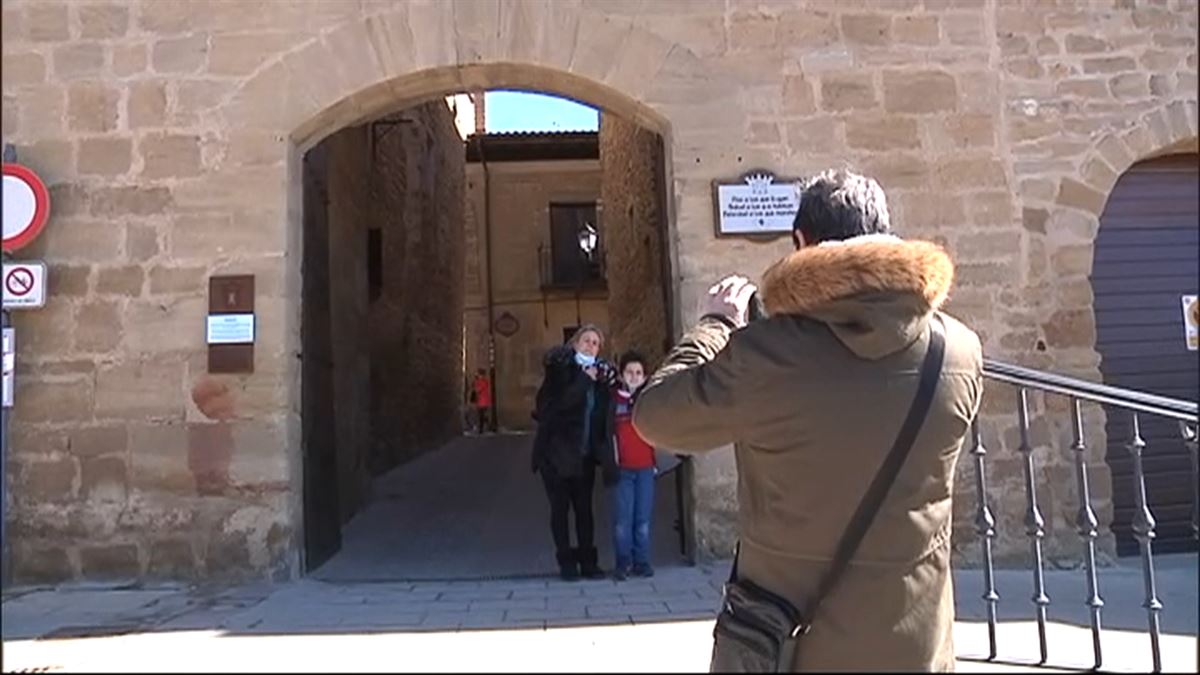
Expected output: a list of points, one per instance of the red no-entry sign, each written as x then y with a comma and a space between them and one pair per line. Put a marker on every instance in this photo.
26, 206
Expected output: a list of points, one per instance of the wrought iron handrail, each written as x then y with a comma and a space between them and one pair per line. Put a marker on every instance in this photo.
1087, 526
1174, 408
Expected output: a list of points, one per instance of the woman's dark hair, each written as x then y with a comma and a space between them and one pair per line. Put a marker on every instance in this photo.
631, 357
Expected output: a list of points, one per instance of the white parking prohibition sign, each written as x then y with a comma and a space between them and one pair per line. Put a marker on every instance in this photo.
24, 285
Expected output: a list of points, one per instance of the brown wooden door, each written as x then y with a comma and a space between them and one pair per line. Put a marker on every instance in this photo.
318, 442
1146, 259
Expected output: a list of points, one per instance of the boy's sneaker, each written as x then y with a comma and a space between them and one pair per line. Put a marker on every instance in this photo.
643, 570
620, 574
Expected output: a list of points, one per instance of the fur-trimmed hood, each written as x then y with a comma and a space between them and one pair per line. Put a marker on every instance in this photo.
876, 292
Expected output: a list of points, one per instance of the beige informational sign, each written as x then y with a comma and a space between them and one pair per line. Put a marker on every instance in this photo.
1191, 321
757, 204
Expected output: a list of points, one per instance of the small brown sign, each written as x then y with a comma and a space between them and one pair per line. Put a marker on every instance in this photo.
231, 294
231, 309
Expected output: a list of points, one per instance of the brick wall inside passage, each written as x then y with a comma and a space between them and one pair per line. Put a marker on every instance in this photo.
416, 323
633, 225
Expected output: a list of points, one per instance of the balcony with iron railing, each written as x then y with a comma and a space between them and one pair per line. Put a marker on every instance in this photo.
571, 271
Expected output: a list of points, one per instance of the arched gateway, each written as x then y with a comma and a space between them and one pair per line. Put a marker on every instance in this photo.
367, 68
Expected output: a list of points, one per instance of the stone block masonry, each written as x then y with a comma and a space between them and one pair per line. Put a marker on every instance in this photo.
171, 134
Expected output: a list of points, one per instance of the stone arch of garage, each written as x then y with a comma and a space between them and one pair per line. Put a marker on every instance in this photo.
368, 68
1081, 198
1080, 201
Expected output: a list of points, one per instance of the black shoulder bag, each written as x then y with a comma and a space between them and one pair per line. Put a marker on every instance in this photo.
759, 631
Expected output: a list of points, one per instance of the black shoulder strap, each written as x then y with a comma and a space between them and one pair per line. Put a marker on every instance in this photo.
931, 369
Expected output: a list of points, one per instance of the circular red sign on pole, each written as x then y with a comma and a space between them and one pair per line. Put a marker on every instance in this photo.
26, 206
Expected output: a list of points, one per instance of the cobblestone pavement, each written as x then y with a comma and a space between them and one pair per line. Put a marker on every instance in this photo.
658, 624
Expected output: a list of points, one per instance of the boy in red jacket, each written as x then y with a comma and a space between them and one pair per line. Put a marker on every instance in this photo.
633, 503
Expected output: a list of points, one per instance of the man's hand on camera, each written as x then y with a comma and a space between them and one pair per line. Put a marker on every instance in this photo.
730, 298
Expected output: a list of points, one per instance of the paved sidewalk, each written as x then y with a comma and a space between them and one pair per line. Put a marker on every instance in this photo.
431, 518
659, 624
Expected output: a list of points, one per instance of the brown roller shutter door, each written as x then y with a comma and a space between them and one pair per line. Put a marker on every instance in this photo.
1147, 256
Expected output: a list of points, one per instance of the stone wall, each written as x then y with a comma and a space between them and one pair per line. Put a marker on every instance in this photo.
416, 201
171, 134
634, 237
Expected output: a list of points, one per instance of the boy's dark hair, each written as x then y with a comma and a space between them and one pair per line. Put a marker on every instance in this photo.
838, 204
632, 357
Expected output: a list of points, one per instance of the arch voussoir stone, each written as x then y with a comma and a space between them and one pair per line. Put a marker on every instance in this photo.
474, 28
354, 57
1156, 122
600, 40
638, 63
429, 30
313, 78
390, 60
557, 19
1115, 152
520, 37
1164, 129
1178, 121
1119, 149
390, 39
261, 102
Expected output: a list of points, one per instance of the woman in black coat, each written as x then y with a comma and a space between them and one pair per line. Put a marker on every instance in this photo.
573, 438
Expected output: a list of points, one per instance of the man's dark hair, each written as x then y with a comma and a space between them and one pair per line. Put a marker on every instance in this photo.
632, 357
838, 205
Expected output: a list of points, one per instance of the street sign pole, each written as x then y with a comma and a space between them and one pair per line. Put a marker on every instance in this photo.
5, 568
10, 155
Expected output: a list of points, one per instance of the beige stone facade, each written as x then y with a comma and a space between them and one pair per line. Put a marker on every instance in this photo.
172, 134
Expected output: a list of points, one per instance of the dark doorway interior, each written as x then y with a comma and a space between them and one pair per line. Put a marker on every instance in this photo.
396, 248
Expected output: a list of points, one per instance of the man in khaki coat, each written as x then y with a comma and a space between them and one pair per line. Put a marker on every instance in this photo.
813, 397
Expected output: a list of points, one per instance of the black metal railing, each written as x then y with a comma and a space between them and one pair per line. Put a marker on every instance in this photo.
1119, 401
574, 272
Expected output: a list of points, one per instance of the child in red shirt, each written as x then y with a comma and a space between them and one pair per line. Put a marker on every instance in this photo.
633, 502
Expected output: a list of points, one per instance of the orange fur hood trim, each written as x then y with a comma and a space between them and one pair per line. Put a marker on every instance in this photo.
817, 275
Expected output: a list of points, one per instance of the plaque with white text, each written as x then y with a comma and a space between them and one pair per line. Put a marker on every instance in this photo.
757, 204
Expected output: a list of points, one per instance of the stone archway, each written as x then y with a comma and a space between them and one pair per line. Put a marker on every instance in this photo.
1075, 215
1167, 129
366, 68
1064, 258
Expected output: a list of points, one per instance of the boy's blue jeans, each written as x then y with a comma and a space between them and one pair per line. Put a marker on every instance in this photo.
633, 507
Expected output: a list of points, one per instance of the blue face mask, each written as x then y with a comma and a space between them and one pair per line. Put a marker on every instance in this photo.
585, 360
